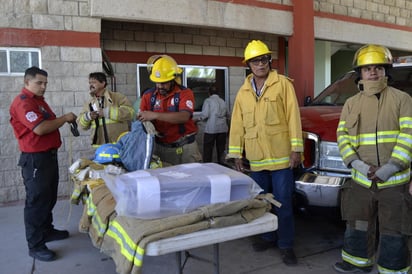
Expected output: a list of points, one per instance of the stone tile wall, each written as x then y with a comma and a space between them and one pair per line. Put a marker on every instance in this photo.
396, 12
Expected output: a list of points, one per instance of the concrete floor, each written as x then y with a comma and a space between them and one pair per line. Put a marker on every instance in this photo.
318, 243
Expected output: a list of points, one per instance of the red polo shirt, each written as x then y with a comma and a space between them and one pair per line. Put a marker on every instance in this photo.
26, 112
169, 131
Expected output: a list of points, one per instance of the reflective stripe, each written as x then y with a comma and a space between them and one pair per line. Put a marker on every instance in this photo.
127, 246
114, 113
378, 137
402, 154
75, 194
109, 155
344, 139
83, 122
98, 225
405, 139
398, 178
357, 261
91, 208
236, 150
383, 270
347, 142
405, 122
138, 258
347, 151
269, 162
296, 142
341, 126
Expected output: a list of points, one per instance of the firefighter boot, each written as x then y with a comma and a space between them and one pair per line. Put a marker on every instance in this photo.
345, 267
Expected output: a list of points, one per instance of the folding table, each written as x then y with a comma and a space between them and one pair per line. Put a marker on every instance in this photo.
182, 243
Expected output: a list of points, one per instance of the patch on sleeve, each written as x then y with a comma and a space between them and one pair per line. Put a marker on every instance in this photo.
189, 104
31, 116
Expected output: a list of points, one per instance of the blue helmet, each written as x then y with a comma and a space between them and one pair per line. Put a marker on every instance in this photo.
107, 153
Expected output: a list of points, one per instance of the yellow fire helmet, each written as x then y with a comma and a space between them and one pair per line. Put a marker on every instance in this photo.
254, 49
372, 55
163, 68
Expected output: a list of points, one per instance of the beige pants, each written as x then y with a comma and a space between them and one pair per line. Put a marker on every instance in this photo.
188, 153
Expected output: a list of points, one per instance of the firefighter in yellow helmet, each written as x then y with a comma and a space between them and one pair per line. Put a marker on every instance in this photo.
375, 141
266, 128
170, 106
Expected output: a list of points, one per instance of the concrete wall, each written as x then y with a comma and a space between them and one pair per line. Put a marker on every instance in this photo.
48, 14
387, 11
68, 69
257, 16
176, 40
385, 22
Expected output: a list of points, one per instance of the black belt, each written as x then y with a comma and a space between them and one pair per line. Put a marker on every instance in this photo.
51, 151
184, 141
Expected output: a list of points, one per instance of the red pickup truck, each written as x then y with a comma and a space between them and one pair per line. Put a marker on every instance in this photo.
318, 183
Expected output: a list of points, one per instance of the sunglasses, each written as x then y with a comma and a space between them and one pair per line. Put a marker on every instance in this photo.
264, 60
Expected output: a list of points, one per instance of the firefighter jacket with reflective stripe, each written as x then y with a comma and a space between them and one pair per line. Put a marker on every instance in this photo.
118, 111
126, 238
266, 127
376, 127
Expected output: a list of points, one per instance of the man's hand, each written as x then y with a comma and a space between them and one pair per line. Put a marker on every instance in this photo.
147, 116
239, 165
372, 176
295, 159
94, 115
70, 117
383, 173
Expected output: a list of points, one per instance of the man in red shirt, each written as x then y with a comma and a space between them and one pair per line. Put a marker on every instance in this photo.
36, 128
170, 107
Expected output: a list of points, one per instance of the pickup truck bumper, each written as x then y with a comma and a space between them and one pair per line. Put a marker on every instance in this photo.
319, 190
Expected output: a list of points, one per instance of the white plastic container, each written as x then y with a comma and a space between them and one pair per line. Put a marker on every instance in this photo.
162, 192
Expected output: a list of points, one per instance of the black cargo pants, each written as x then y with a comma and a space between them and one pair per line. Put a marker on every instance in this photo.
40, 173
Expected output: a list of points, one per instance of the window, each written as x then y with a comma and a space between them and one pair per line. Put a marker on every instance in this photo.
197, 78
14, 61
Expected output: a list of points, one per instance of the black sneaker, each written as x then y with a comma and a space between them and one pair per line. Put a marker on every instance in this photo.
288, 256
42, 253
261, 245
345, 267
56, 235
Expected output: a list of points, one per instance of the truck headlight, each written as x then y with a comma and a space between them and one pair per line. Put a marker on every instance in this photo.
330, 158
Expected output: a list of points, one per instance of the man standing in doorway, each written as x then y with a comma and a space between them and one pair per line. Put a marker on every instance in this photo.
215, 114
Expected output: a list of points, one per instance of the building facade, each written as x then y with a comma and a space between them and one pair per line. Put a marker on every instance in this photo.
71, 38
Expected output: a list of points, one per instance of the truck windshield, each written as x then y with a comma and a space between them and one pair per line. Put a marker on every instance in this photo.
338, 92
